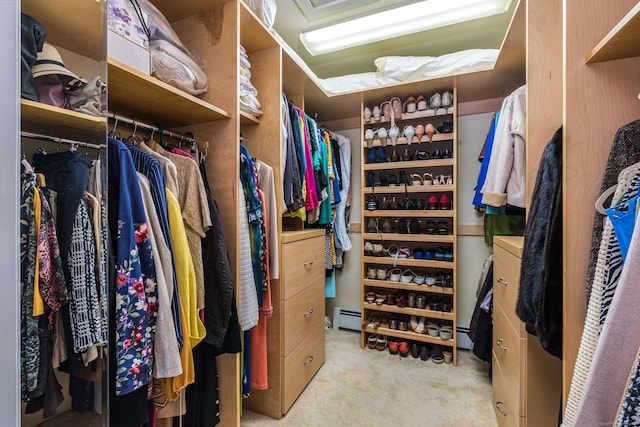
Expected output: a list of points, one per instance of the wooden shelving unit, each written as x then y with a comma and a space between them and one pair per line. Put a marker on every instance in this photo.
46, 119
621, 42
445, 166
138, 95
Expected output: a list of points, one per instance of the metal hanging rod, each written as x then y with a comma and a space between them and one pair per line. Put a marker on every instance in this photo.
118, 119
57, 140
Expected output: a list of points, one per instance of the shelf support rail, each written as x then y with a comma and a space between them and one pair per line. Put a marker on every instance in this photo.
55, 139
129, 122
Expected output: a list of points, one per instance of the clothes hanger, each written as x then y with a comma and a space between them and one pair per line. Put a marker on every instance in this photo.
599, 205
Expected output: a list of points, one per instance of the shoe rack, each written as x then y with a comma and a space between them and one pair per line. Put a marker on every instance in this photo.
409, 226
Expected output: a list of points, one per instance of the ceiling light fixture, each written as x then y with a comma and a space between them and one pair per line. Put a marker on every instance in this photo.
400, 21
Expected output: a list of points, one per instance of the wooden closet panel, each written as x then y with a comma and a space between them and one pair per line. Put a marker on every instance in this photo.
506, 283
599, 98
302, 261
544, 81
302, 313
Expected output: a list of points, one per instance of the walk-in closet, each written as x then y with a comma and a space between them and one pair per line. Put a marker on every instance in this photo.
288, 212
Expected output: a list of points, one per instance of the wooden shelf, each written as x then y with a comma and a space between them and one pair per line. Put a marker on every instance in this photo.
410, 336
254, 36
176, 11
424, 213
248, 119
45, 119
77, 25
621, 42
391, 189
140, 96
420, 312
387, 284
408, 165
423, 238
425, 114
403, 141
409, 262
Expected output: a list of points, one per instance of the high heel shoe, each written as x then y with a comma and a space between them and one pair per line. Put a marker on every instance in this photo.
408, 132
421, 103
435, 101
419, 132
384, 107
396, 106
368, 137
376, 113
382, 136
430, 130
367, 114
410, 105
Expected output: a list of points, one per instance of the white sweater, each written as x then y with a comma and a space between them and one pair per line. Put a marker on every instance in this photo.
506, 174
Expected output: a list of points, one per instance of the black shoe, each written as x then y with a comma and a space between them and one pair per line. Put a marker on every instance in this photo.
392, 179
402, 226
446, 154
384, 179
371, 179
414, 226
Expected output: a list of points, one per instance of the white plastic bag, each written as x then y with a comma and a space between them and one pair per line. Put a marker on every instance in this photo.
265, 10
175, 67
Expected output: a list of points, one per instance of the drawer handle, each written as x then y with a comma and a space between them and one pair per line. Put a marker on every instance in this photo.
499, 344
308, 361
308, 313
498, 403
308, 263
502, 281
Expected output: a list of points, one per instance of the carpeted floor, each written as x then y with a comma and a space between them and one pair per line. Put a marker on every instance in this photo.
357, 387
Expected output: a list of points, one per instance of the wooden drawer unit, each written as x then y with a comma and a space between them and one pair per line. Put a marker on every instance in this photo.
302, 313
506, 279
505, 403
507, 346
527, 381
302, 263
301, 365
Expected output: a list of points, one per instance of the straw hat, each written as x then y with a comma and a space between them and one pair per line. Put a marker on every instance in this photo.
49, 61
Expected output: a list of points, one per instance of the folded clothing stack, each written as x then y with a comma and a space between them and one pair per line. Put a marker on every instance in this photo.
248, 94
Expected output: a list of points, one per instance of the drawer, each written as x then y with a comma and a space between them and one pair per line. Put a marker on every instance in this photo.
302, 313
301, 365
506, 280
505, 403
508, 348
302, 264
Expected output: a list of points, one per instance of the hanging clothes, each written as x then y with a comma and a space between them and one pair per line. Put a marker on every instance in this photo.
341, 222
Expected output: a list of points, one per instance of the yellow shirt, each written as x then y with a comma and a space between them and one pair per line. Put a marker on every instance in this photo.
38, 302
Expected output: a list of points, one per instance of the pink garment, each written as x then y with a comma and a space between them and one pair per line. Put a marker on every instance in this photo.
184, 154
310, 179
616, 349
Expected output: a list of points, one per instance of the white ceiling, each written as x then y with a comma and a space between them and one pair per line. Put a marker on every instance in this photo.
290, 21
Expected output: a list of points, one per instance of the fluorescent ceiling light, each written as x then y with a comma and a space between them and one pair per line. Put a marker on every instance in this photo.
413, 18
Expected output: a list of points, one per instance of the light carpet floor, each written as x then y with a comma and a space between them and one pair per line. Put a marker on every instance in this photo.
363, 387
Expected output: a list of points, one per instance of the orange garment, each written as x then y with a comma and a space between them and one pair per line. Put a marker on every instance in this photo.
258, 334
38, 302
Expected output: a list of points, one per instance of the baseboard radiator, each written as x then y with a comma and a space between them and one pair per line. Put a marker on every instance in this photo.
347, 318
463, 340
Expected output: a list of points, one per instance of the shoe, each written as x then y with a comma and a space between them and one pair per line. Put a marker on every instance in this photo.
419, 132
402, 325
395, 157
403, 349
371, 341
372, 203
393, 204
371, 155
421, 103
446, 332
436, 355
367, 114
384, 203
368, 251
420, 204
393, 346
420, 329
408, 133
376, 113
432, 202
445, 202
384, 108
421, 155
447, 127
393, 181
372, 225
430, 255
416, 179
447, 99
421, 303
382, 136
381, 342
448, 254
446, 154
415, 350
371, 179
381, 155
436, 154
425, 352
447, 304
418, 253
402, 178
443, 228
430, 130
396, 106
448, 356
406, 156
410, 105
393, 324
384, 178
386, 226
408, 204
427, 178
402, 226
368, 137
430, 227
435, 101
440, 254
414, 226
413, 322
